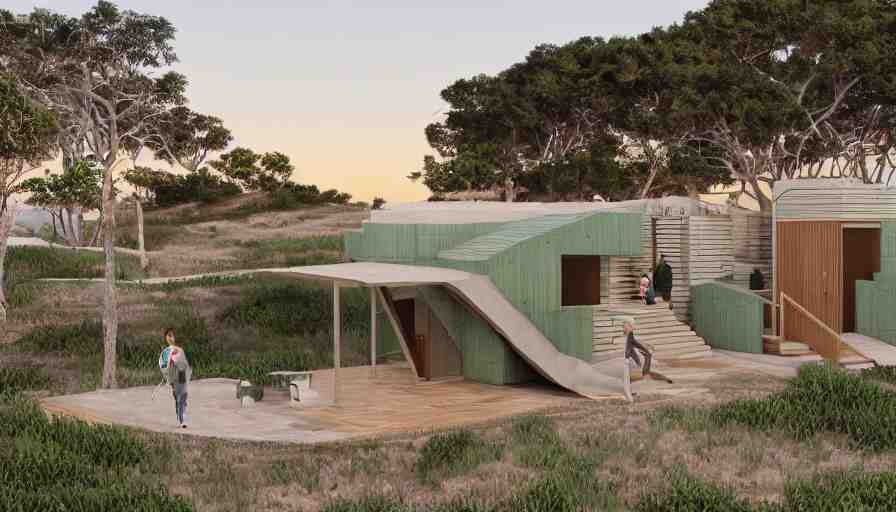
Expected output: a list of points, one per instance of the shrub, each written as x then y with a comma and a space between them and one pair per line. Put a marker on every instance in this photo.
84, 339
880, 373
295, 308
202, 186
822, 399
843, 491
685, 494
16, 380
453, 453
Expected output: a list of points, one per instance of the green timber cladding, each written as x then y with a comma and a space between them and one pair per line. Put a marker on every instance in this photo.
522, 258
728, 317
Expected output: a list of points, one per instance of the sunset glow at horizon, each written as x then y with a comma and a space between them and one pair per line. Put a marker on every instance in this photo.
344, 88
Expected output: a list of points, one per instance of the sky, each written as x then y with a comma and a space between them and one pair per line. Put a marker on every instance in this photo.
346, 88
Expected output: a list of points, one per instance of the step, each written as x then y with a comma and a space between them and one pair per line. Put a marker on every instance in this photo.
700, 351
656, 342
673, 347
603, 347
665, 335
641, 322
786, 348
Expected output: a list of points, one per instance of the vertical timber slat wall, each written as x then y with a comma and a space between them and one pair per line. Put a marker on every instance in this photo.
673, 241
622, 273
809, 270
751, 233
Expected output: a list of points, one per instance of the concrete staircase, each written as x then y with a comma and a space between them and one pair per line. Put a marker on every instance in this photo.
655, 326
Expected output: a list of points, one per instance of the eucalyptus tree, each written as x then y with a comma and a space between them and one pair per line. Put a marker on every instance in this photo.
781, 87
93, 71
184, 137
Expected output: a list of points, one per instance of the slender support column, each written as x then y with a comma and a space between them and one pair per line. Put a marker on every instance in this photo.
373, 331
337, 335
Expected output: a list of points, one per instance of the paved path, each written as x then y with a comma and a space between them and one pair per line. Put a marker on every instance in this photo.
882, 353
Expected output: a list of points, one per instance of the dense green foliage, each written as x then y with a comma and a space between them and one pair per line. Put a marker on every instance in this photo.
452, 453
60, 464
752, 90
297, 307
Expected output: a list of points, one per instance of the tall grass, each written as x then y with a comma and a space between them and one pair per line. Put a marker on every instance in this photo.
60, 464
297, 307
26, 264
820, 399
453, 453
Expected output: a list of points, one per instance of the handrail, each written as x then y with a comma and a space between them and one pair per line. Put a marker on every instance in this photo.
824, 326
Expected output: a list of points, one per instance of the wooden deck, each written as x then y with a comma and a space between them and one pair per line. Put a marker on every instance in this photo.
389, 403
393, 402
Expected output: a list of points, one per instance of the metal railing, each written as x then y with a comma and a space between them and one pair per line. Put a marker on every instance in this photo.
828, 346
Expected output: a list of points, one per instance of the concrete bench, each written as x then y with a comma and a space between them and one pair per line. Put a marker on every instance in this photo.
281, 380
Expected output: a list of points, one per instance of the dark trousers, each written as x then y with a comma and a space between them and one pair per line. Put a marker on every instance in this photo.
180, 406
633, 350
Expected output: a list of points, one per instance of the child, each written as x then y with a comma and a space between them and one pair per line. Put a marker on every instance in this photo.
178, 377
645, 290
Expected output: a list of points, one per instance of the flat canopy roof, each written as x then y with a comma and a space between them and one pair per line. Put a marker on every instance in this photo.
376, 274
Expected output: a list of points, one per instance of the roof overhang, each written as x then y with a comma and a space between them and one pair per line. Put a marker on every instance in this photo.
369, 274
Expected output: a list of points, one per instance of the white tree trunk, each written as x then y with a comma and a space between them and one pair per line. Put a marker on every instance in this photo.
110, 300
6, 223
509, 192
144, 260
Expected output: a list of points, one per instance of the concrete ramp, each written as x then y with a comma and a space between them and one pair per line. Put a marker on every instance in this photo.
571, 373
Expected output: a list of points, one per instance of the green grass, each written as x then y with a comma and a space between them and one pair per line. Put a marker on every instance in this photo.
60, 464
453, 453
25, 264
820, 399
16, 380
833, 492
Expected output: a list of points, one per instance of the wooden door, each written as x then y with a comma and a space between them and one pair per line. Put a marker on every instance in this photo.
405, 311
861, 259
809, 269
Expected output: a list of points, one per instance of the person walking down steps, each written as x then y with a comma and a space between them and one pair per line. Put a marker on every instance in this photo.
634, 351
179, 373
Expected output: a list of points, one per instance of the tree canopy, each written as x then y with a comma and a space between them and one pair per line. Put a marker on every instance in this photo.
743, 90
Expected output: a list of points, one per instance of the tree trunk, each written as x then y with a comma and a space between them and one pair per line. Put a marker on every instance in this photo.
765, 203
647, 186
144, 260
509, 193
96, 231
110, 304
6, 221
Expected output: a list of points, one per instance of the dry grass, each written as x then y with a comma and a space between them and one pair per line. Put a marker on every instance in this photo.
187, 239
629, 451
